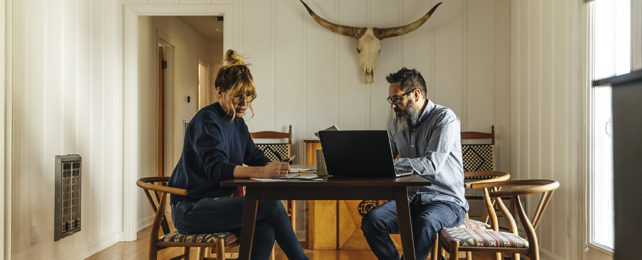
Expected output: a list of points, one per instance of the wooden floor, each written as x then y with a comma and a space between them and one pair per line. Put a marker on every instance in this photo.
138, 250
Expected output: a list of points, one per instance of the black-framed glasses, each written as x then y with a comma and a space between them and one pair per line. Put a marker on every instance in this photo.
396, 99
241, 98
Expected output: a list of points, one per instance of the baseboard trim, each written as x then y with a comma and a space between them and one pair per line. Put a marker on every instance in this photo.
145, 222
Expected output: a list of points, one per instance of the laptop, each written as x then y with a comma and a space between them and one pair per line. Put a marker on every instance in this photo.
358, 154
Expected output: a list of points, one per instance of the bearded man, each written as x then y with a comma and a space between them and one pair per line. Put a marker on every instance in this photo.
426, 137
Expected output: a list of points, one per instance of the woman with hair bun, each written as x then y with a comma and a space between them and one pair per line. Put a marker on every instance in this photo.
217, 144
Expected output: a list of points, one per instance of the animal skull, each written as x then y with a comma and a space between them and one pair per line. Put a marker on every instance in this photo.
369, 45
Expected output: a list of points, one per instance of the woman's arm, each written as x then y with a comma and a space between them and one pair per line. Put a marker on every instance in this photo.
272, 169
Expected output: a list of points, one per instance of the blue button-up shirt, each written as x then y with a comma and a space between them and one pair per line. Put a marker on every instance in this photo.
432, 148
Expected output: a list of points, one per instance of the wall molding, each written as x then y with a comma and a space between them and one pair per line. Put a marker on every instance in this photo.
6, 41
145, 222
131, 150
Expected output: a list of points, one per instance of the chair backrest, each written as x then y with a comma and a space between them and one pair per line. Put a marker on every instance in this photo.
274, 151
478, 156
484, 177
156, 191
515, 189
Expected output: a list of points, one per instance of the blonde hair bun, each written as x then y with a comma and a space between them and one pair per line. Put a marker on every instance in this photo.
233, 59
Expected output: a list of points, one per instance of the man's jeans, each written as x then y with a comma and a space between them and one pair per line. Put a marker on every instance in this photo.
427, 220
210, 215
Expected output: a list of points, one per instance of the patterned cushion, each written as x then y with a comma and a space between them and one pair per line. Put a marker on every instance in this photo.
482, 238
366, 206
478, 157
473, 224
175, 237
271, 150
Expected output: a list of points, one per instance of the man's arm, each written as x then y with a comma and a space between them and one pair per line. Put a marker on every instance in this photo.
440, 144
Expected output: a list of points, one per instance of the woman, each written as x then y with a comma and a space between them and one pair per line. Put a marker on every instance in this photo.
217, 143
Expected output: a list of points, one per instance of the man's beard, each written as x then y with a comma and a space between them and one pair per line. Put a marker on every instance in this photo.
407, 118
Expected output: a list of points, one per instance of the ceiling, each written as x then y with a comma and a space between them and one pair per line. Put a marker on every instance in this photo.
210, 27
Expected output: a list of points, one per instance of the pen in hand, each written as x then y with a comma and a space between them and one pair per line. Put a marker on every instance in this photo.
291, 159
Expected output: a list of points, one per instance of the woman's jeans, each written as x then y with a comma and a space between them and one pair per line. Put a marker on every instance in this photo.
223, 214
427, 220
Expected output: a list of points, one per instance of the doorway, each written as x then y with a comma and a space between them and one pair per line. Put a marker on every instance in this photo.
141, 101
185, 46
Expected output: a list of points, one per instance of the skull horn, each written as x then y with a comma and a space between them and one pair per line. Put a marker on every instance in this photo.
355, 32
382, 33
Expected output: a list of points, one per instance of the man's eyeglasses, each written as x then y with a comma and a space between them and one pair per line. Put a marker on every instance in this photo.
396, 99
247, 99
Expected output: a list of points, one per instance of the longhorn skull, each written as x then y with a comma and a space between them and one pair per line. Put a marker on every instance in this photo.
369, 45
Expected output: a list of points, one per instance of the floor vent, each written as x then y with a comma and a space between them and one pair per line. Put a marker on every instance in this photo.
67, 204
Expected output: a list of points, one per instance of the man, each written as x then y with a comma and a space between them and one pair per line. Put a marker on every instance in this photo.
427, 138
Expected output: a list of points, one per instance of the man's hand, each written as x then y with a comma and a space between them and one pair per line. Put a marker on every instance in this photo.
274, 169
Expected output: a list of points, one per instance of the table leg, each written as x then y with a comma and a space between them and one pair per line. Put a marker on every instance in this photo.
248, 223
405, 223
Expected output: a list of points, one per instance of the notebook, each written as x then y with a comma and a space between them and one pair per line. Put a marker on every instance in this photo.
358, 154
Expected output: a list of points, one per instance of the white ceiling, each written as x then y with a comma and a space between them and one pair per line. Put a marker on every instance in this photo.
208, 26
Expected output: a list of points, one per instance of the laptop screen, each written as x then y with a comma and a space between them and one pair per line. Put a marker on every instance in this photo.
358, 153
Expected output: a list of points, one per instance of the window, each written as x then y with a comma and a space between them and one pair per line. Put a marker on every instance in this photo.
611, 55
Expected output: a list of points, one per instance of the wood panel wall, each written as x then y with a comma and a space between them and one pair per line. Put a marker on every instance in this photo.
549, 84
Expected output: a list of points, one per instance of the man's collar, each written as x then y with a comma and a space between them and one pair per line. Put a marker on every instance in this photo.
424, 114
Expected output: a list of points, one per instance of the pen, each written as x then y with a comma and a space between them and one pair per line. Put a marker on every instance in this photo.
291, 160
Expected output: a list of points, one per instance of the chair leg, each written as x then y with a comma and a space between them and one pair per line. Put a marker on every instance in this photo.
200, 255
153, 252
435, 248
292, 211
441, 254
186, 253
454, 251
220, 248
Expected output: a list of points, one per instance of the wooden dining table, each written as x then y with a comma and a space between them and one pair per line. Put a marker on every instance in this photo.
328, 189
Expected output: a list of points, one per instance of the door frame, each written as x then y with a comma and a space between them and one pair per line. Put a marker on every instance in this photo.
132, 149
168, 107
6, 60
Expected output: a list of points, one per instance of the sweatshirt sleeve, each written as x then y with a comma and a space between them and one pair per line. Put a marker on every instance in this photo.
207, 143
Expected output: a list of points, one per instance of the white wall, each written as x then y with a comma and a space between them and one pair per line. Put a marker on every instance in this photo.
66, 97
69, 95
549, 84
309, 77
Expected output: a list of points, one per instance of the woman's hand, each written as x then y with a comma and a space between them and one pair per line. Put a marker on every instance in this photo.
274, 169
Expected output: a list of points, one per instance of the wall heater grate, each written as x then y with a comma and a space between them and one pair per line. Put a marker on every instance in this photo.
67, 204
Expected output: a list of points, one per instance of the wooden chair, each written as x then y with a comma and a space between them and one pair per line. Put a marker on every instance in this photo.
454, 240
156, 191
276, 152
478, 155
475, 178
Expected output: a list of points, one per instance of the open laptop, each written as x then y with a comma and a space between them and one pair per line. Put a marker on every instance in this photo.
358, 154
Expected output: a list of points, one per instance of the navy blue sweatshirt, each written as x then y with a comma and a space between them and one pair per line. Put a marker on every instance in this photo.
214, 144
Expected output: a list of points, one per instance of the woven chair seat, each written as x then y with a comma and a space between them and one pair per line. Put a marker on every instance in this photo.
175, 237
482, 238
473, 224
